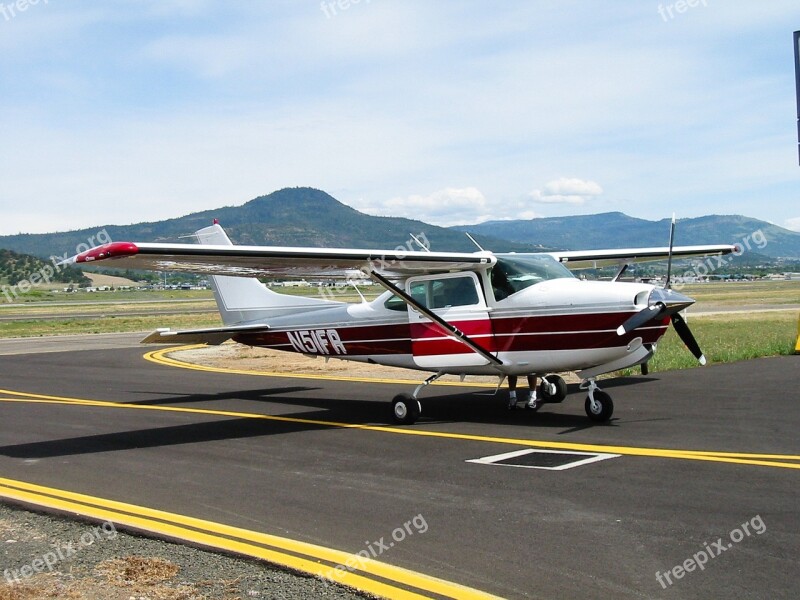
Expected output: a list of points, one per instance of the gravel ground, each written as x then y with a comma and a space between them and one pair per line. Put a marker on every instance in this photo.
121, 566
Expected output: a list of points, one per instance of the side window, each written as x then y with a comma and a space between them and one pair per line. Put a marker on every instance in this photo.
455, 291
444, 293
395, 303
419, 291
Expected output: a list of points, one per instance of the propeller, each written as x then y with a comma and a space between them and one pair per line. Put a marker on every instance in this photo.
683, 331
643, 316
665, 301
667, 283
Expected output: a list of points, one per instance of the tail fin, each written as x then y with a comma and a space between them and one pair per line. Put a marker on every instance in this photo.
245, 299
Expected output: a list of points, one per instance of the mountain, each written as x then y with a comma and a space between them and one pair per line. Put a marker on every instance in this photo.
618, 230
289, 217
16, 269
308, 217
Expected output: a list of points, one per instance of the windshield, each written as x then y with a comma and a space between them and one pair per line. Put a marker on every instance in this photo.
515, 272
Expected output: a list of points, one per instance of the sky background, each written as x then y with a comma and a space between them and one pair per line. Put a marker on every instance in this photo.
452, 112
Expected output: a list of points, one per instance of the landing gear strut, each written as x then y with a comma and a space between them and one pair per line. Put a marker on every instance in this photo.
553, 389
406, 408
599, 406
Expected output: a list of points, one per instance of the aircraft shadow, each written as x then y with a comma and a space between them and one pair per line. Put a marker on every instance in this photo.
471, 407
253, 395
155, 437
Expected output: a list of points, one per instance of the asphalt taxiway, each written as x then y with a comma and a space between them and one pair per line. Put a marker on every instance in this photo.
306, 472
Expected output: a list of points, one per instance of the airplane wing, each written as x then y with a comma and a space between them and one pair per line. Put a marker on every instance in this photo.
276, 261
591, 259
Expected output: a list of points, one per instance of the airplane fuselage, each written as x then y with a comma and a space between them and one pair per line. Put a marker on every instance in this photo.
563, 324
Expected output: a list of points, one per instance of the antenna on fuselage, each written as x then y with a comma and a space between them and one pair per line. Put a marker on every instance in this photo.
472, 239
358, 291
669, 256
419, 243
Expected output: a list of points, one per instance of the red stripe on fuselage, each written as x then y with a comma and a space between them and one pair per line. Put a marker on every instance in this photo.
511, 334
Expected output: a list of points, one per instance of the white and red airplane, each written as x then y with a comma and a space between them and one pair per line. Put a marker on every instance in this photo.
479, 313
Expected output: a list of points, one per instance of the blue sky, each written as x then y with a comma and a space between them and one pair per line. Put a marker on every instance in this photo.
449, 111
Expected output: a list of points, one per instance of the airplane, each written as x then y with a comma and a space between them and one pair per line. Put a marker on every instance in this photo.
479, 313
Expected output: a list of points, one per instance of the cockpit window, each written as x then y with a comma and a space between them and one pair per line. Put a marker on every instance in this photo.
513, 273
395, 303
444, 292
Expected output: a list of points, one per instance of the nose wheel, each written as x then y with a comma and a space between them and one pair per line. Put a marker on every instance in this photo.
599, 406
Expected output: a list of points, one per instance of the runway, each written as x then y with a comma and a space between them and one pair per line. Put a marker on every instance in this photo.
306, 468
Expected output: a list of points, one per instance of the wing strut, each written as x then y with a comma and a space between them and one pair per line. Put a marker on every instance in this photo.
446, 327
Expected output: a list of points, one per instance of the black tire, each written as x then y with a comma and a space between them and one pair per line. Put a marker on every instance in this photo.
606, 407
561, 389
405, 409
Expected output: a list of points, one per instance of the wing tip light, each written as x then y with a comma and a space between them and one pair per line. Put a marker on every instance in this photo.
112, 250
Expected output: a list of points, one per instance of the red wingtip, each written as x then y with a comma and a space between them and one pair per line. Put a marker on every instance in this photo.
112, 250
216, 221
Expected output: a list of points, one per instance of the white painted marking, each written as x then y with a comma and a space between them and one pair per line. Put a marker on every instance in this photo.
590, 458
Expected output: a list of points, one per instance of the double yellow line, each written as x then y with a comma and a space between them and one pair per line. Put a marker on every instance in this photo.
367, 575
364, 574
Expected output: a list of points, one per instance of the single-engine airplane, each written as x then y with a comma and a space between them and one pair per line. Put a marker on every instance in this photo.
480, 313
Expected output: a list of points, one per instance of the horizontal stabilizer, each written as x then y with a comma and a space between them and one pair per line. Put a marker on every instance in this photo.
213, 336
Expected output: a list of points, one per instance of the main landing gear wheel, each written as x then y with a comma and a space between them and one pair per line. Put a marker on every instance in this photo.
601, 409
550, 395
405, 409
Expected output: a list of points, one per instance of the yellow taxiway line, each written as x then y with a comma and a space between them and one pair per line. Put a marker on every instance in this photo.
160, 357
367, 575
359, 572
765, 460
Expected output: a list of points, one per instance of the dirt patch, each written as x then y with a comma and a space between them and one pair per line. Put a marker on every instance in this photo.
58, 586
261, 360
128, 567
137, 570
99, 279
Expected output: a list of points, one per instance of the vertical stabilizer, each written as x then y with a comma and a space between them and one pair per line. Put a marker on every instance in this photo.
244, 300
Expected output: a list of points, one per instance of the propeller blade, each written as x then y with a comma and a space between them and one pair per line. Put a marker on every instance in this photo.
686, 336
643, 316
667, 284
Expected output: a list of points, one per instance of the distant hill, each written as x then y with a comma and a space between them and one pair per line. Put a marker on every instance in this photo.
16, 268
289, 217
618, 230
308, 217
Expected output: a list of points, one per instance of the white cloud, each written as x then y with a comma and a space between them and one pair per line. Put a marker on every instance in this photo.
567, 191
574, 186
194, 104
449, 206
792, 224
